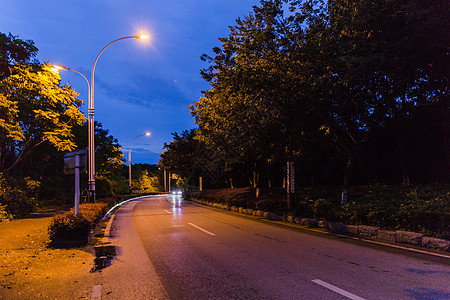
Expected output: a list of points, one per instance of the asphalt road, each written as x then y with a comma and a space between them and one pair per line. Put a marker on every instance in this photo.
172, 249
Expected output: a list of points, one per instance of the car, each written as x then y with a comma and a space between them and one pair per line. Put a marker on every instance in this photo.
177, 192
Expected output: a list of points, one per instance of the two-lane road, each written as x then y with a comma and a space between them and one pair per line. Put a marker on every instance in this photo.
173, 249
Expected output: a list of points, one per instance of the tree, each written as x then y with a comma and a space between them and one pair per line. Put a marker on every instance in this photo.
342, 69
376, 60
144, 181
34, 107
254, 112
109, 158
14, 50
178, 156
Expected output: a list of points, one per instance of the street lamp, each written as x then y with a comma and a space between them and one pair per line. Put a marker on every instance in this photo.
129, 158
58, 68
91, 126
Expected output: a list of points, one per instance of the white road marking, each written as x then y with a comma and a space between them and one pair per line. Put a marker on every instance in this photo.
108, 227
337, 290
204, 230
96, 292
168, 212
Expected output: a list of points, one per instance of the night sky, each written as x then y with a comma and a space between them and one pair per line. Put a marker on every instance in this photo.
140, 85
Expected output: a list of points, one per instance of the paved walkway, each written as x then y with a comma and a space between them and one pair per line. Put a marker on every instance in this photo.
30, 270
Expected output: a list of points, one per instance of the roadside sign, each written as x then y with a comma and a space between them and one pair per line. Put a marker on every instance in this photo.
69, 161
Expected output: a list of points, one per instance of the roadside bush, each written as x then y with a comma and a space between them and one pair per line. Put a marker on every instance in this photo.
4, 215
419, 209
68, 227
119, 185
16, 196
104, 187
93, 212
424, 209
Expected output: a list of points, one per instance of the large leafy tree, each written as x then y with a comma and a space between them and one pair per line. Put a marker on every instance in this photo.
341, 68
109, 158
254, 113
178, 155
34, 107
375, 60
14, 50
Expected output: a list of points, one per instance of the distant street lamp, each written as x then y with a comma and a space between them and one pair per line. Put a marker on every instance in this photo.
91, 126
129, 157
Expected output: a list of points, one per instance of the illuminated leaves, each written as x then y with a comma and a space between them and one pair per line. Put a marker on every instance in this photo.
34, 108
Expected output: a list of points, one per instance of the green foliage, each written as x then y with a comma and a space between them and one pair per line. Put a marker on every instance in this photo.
4, 215
296, 77
37, 116
179, 156
35, 109
68, 227
103, 187
119, 185
93, 212
14, 50
143, 181
17, 196
423, 209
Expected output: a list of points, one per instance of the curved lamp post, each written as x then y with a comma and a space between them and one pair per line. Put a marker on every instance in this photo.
129, 158
91, 126
56, 69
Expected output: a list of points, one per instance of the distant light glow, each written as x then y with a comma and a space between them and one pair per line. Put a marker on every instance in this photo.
147, 133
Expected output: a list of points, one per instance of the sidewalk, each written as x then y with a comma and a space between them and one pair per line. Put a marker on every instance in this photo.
30, 270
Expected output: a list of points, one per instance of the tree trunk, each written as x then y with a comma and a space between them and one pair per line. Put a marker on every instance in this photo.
404, 167
347, 178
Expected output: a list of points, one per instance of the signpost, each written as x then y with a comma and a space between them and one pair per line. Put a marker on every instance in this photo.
73, 162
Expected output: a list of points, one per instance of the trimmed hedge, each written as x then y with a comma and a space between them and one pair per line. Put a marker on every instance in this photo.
93, 212
423, 209
68, 227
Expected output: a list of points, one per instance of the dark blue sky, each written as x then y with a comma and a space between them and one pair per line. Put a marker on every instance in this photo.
139, 86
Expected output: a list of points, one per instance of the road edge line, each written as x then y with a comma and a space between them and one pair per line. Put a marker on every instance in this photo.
108, 227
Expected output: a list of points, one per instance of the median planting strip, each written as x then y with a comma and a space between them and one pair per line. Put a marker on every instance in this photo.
357, 232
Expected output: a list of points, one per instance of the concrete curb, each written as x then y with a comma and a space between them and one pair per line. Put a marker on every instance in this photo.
363, 232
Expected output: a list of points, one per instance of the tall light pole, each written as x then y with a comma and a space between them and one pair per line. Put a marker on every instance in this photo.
91, 126
56, 69
129, 158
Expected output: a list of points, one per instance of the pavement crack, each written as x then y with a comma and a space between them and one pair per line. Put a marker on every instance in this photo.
270, 238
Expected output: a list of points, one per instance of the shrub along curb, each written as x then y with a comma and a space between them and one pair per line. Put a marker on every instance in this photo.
405, 237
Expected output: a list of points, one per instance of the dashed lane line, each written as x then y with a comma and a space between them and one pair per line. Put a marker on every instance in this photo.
204, 230
337, 290
96, 292
168, 212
